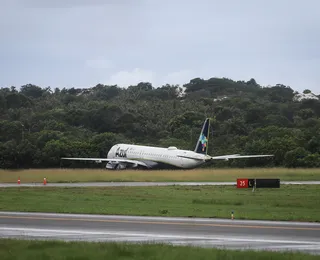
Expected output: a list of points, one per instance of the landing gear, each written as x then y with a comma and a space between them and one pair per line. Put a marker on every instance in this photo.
115, 166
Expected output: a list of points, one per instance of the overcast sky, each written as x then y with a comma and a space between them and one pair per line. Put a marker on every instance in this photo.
80, 43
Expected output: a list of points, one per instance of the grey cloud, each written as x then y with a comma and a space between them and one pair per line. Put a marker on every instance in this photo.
77, 43
67, 4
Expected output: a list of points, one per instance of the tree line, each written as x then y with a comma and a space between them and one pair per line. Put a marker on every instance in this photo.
38, 125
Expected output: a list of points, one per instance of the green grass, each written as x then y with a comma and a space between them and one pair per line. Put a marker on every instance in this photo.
54, 250
290, 202
93, 175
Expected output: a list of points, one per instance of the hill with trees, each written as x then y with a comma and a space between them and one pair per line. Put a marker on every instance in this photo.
40, 125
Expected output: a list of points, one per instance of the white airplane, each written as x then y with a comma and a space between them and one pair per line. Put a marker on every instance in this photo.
123, 156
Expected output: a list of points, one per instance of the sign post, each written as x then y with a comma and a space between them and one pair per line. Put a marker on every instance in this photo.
258, 183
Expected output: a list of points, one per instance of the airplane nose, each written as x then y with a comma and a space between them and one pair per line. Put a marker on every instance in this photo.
109, 153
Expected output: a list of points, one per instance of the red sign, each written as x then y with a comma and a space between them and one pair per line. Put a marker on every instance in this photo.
242, 183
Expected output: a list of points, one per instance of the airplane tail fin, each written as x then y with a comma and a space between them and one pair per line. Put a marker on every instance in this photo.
202, 143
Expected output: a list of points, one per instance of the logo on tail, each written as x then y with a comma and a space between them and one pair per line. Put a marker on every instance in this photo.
202, 142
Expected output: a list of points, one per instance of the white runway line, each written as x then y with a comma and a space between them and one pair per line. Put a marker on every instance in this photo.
166, 219
39, 231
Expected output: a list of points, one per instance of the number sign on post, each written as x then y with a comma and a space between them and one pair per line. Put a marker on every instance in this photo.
242, 183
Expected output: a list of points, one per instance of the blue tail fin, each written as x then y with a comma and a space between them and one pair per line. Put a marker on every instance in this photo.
202, 143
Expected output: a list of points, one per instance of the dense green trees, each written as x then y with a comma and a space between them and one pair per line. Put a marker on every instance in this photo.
40, 125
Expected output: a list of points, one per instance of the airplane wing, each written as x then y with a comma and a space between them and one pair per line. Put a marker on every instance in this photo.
191, 157
200, 158
99, 160
237, 156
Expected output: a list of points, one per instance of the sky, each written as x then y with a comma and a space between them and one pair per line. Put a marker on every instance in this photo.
80, 43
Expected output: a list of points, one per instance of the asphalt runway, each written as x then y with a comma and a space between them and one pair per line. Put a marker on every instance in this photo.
220, 233
140, 184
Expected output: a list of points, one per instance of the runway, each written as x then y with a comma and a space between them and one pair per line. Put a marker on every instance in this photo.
220, 233
140, 184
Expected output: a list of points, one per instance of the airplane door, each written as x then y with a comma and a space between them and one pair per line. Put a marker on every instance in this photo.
181, 160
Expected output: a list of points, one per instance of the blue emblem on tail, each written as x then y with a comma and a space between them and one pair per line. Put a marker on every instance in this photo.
202, 142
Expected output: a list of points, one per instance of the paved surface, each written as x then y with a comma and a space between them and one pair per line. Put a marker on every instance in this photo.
232, 234
139, 184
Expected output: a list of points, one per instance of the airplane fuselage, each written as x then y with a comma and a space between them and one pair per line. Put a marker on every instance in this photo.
155, 157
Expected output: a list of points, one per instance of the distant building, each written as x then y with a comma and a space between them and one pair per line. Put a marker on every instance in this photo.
303, 96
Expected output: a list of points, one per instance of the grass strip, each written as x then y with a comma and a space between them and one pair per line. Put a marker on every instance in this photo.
47, 250
98, 175
290, 202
